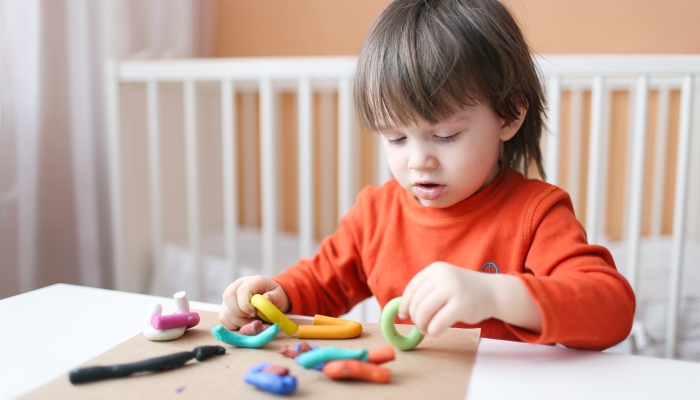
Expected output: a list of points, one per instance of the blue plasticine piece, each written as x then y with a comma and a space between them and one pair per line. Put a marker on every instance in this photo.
234, 339
270, 383
312, 358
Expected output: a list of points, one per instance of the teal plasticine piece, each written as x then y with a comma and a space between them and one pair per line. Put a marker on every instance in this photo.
252, 342
389, 329
314, 357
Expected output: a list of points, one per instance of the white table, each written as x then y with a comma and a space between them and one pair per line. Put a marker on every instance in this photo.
49, 331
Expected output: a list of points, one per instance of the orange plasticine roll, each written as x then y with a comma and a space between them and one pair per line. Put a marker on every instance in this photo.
356, 369
382, 355
330, 328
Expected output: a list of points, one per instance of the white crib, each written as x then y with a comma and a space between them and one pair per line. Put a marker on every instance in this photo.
213, 142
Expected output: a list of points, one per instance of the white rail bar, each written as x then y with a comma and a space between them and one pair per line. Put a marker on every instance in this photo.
268, 176
306, 168
383, 170
634, 220
274, 68
230, 178
328, 162
554, 128
682, 167
155, 178
660, 144
192, 163
121, 275
346, 148
575, 148
594, 165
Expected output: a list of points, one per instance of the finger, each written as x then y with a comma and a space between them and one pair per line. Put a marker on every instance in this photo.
229, 320
444, 318
279, 298
408, 293
427, 290
426, 310
253, 285
231, 302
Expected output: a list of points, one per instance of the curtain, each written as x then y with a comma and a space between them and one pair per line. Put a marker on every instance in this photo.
54, 209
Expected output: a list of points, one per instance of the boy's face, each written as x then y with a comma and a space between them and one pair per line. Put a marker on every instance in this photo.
445, 163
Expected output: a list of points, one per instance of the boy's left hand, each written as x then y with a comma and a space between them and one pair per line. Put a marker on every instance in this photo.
442, 294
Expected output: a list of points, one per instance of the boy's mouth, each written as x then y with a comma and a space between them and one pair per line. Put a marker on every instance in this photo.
428, 190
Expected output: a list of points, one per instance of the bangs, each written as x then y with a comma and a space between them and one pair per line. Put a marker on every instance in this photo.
413, 67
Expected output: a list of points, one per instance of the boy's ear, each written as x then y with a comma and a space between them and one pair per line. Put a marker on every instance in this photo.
509, 129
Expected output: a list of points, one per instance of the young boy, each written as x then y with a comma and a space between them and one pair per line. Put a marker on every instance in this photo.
463, 236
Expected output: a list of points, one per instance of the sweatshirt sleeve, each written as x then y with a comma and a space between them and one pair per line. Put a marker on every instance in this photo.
584, 301
333, 281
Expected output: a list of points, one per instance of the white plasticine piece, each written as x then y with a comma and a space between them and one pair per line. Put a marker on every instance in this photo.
182, 305
160, 334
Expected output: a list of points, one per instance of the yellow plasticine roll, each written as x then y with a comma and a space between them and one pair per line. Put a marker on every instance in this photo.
330, 328
270, 313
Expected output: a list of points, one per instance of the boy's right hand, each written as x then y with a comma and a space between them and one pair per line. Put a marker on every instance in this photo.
236, 309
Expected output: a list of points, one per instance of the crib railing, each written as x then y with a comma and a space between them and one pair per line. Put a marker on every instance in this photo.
572, 76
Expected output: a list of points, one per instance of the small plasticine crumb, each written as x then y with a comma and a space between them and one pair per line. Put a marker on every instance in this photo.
180, 389
293, 351
276, 370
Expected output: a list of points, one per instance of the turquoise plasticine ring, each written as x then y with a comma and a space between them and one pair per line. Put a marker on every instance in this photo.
389, 329
252, 342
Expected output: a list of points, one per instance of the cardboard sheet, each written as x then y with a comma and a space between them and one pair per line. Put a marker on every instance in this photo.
439, 368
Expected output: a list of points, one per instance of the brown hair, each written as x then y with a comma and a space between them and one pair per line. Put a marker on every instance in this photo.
427, 59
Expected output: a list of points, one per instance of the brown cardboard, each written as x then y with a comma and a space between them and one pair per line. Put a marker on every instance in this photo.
439, 368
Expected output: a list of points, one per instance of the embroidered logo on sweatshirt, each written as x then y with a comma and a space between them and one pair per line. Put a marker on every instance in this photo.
490, 268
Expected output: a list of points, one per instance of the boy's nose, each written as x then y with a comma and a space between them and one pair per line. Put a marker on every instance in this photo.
422, 161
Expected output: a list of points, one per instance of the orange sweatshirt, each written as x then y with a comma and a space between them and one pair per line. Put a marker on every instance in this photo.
521, 227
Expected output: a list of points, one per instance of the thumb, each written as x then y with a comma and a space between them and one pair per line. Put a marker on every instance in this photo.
279, 298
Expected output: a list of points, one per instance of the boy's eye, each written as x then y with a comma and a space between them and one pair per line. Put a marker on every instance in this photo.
445, 139
397, 141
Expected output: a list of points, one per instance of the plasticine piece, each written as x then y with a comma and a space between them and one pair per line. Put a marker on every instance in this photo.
330, 328
186, 319
182, 305
201, 353
270, 313
270, 383
293, 351
382, 355
356, 369
314, 357
276, 370
157, 364
389, 329
156, 334
252, 328
224, 335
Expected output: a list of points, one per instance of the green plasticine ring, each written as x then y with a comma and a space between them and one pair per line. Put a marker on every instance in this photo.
252, 342
389, 329
311, 358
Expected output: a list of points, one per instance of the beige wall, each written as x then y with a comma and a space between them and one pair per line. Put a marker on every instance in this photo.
323, 27
335, 27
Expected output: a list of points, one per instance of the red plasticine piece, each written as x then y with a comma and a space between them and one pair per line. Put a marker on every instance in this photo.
356, 369
382, 355
251, 329
161, 322
276, 370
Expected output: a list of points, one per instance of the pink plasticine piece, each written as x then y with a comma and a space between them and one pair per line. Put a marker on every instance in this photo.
188, 319
292, 351
276, 370
252, 328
